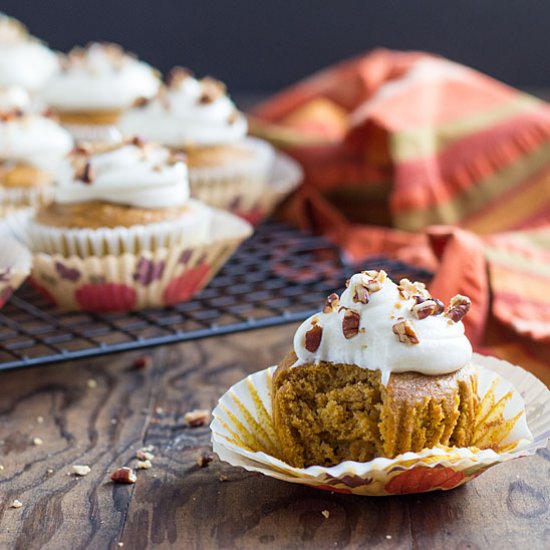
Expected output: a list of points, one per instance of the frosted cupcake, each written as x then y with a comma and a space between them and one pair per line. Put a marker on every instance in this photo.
24, 60
94, 86
123, 234
383, 370
31, 149
226, 169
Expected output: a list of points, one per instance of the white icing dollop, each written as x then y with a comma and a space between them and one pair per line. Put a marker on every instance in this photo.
24, 60
144, 176
34, 140
442, 348
189, 112
100, 77
13, 98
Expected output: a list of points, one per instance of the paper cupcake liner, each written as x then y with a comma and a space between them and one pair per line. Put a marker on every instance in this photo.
224, 186
243, 435
165, 276
15, 266
94, 133
191, 229
13, 199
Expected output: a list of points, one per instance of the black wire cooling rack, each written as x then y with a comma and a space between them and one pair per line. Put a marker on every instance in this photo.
279, 276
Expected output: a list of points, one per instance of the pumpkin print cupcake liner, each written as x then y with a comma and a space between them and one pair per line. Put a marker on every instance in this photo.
145, 278
226, 187
15, 266
243, 435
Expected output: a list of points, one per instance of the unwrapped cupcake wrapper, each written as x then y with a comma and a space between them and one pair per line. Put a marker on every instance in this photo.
243, 435
193, 228
15, 266
14, 199
133, 281
94, 133
226, 187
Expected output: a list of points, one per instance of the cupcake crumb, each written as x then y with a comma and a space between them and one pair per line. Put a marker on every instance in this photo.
37, 441
326, 514
81, 470
16, 504
196, 418
91, 383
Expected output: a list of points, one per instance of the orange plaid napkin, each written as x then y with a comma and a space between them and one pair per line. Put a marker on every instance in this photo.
409, 140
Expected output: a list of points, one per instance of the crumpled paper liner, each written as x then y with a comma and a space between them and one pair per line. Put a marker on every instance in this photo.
125, 282
236, 187
243, 435
191, 229
15, 266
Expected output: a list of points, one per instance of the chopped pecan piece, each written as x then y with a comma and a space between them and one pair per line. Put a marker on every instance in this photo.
124, 475
313, 338
196, 418
374, 280
350, 324
416, 290
86, 174
138, 141
405, 332
178, 75
204, 459
212, 89
143, 362
459, 306
425, 308
361, 294
141, 102
332, 303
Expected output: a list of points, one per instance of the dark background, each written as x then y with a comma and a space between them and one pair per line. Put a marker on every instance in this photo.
263, 45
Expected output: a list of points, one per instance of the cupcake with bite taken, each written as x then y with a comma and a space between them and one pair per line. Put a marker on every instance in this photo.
382, 370
31, 148
94, 86
226, 169
24, 60
122, 232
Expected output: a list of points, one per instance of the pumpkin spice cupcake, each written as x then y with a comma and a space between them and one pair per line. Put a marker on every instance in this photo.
24, 60
226, 169
383, 370
123, 234
31, 148
94, 86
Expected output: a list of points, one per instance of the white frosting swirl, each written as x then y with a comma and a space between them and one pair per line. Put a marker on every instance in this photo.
143, 176
13, 98
24, 61
188, 113
34, 140
101, 77
442, 348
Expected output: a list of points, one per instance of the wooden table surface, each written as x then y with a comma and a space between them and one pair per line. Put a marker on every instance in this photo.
176, 504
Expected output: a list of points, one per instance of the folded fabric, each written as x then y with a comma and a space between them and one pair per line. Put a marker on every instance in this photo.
455, 162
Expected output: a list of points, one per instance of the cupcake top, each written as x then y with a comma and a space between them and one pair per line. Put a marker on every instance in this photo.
187, 112
378, 325
100, 77
24, 60
32, 139
133, 173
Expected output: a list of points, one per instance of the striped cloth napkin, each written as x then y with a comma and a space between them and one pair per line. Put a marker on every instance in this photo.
456, 163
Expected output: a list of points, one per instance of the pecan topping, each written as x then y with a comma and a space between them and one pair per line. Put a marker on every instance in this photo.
313, 338
332, 303
124, 475
350, 324
233, 117
405, 332
138, 141
425, 308
212, 89
86, 174
204, 459
141, 102
459, 306
176, 156
177, 75
374, 280
143, 362
361, 294
413, 290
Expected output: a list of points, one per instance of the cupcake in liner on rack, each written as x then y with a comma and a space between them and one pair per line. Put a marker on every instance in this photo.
382, 395
24, 60
15, 266
122, 233
31, 148
94, 86
226, 169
